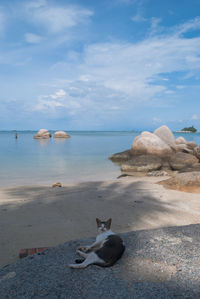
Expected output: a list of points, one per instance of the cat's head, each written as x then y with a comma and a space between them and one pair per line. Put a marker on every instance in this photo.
103, 226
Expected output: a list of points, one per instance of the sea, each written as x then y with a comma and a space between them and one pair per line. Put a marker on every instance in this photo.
83, 157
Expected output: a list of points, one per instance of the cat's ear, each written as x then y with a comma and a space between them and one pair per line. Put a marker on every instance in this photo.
108, 223
98, 221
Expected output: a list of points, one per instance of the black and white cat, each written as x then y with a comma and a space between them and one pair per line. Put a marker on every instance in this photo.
104, 252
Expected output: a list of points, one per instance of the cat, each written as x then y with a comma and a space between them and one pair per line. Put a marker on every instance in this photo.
104, 252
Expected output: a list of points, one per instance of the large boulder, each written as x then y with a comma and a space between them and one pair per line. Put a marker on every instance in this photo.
61, 134
42, 134
183, 148
166, 135
174, 155
180, 140
181, 161
143, 163
189, 182
191, 144
122, 156
150, 144
196, 152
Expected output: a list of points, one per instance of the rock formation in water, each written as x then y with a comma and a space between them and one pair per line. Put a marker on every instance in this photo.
61, 134
159, 151
42, 134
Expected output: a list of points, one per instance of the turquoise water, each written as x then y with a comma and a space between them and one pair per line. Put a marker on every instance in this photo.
83, 157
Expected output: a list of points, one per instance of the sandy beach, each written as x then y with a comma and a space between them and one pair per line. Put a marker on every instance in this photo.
42, 216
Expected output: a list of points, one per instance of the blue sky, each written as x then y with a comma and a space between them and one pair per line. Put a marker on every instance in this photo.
99, 65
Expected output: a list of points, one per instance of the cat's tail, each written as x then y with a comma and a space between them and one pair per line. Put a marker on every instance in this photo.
80, 261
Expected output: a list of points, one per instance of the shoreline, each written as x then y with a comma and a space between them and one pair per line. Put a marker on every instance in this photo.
65, 181
42, 216
185, 132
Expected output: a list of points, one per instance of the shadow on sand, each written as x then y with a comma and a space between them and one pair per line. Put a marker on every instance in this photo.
158, 263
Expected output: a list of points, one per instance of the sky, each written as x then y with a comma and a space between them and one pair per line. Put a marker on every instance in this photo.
99, 65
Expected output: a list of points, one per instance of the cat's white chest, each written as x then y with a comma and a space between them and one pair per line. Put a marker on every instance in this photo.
102, 237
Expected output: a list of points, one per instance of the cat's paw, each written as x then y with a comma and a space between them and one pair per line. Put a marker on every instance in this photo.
73, 266
77, 266
84, 249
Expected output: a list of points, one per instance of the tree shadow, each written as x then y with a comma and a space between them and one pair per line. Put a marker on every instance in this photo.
46, 216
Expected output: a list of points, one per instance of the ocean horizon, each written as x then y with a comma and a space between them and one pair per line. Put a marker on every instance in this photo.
81, 158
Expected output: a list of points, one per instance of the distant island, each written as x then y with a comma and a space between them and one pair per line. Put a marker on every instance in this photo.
189, 129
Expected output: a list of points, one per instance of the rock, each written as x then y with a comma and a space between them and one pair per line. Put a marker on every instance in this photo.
182, 160
150, 144
192, 168
166, 135
189, 182
196, 152
191, 144
180, 140
57, 185
143, 163
43, 131
145, 133
122, 156
157, 173
42, 134
183, 148
61, 134
123, 175
176, 155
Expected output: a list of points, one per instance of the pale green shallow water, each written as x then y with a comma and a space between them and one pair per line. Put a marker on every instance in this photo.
83, 157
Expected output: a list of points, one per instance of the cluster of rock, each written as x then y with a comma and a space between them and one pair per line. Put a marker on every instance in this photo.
61, 134
45, 134
159, 151
42, 134
189, 182
58, 184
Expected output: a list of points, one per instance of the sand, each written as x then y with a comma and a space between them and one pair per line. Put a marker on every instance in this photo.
42, 216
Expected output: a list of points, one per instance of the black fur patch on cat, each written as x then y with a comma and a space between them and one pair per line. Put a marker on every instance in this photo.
79, 261
111, 250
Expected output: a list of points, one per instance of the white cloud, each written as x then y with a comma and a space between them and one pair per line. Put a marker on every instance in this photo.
117, 76
115, 108
169, 92
130, 68
32, 38
85, 78
58, 94
155, 27
193, 24
180, 86
55, 18
138, 18
60, 99
36, 4
48, 104
156, 120
195, 117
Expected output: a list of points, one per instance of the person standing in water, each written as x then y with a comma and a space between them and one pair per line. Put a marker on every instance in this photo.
16, 136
